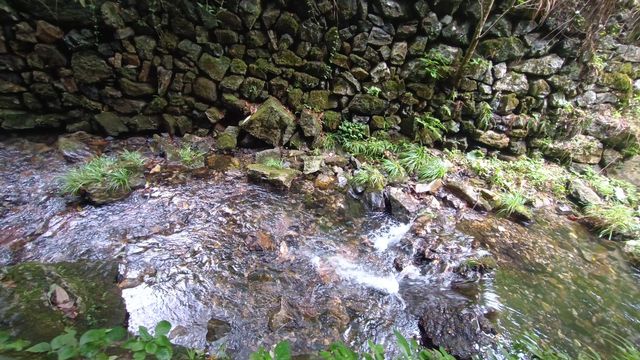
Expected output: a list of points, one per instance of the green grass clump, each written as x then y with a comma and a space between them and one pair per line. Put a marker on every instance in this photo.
115, 174
369, 178
371, 148
374, 91
432, 169
435, 65
274, 163
485, 116
394, 169
351, 131
511, 203
190, 157
613, 219
413, 157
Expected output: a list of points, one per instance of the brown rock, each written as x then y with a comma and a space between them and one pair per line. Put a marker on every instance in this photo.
48, 33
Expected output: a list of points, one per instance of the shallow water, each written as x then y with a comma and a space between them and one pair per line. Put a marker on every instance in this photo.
310, 267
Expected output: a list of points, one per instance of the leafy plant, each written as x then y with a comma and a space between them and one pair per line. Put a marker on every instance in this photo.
485, 116
9, 344
428, 128
369, 178
435, 65
147, 344
371, 148
350, 131
413, 157
191, 157
93, 344
374, 90
282, 351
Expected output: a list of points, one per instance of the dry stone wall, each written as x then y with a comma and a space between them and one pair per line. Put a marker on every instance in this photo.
126, 67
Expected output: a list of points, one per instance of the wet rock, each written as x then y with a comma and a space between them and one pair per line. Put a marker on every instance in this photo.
48, 33
392, 9
467, 193
404, 207
582, 149
365, 104
311, 123
379, 37
80, 146
222, 162
279, 177
50, 294
582, 194
217, 329
312, 164
631, 249
460, 330
375, 200
325, 182
272, 123
513, 82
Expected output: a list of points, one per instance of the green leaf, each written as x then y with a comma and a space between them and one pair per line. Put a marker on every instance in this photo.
163, 341
116, 334
140, 355
144, 333
163, 328
133, 345
67, 352
151, 348
282, 351
40, 348
404, 345
164, 354
95, 335
68, 339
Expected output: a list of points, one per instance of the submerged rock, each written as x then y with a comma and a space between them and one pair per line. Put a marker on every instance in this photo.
403, 206
279, 177
56, 296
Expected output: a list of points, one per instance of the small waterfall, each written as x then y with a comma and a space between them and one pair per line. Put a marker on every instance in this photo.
389, 235
354, 272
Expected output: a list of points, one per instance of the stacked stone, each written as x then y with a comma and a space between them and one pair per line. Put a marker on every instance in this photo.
189, 67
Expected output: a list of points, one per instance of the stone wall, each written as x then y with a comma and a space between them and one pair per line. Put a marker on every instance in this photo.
127, 67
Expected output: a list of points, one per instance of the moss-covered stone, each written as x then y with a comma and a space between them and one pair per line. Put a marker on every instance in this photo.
136, 89
365, 104
111, 123
231, 83
331, 120
238, 67
228, 140
305, 81
272, 123
310, 123
502, 49
214, 67
252, 88
89, 68
25, 298
279, 177
287, 58
618, 81
318, 99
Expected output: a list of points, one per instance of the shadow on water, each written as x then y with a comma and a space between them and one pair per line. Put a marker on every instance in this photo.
229, 262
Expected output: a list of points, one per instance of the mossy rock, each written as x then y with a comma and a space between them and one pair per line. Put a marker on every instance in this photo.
365, 104
331, 120
272, 123
502, 49
618, 81
26, 309
318, 99
279, 177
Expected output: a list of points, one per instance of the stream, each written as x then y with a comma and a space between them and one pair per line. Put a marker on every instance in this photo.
235, 263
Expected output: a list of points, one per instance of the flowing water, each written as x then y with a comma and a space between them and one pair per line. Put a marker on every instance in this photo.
227, 261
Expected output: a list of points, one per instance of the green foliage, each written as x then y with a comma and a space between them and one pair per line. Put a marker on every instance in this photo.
513, 202
112, 173
146, 344
93, 344
191, 157
369, 178
485, 116
351, 131
616, 219
435, 65
328, 142
282, 351
432, 169
274, 163
374, 90
9, 344
371, 148
428, 128
413, 157
394, 169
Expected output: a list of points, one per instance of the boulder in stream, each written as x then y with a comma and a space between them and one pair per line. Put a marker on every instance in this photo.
279, 177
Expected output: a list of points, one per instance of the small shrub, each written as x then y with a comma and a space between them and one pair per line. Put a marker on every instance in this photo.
351, 131
369, 178
413, 157
485, 116
428, 128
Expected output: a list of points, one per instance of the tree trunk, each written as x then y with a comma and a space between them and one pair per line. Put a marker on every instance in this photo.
485, 9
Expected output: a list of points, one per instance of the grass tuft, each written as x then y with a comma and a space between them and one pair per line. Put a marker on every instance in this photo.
615, 219
394, 169
190, 157
513, 202
369, 178
274, 163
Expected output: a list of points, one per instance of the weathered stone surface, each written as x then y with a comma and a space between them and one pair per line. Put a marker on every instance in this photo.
48, 33
136, 89
111, 123
215, 68
582, 194
311, 123
492, 139
513, 82
205, 89
404, 207
272, 123
544, 66
365, 104
502, 49
279, 177
89, 68
582, 149
228, 140
467, 193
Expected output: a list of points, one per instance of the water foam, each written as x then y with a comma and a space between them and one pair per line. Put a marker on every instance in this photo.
389, 235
